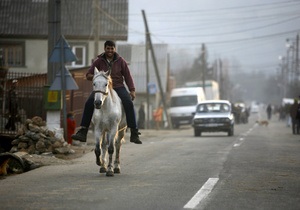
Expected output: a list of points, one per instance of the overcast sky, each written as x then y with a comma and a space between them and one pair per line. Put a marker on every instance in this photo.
251, 34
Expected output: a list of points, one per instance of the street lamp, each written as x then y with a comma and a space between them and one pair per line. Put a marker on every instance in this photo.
291, 70
282, 59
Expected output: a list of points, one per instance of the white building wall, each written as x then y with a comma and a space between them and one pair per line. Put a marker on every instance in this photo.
36, 53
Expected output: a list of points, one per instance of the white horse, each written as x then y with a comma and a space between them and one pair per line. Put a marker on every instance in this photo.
109, 123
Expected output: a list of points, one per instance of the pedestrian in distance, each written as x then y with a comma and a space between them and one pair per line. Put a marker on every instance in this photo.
142, 117
295, 116
269, 111
158, 115
12, 107
111, 61
71, 126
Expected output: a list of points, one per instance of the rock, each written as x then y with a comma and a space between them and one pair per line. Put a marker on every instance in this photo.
62, 150
22, 145
40, 146
34, 128
38, 121
36, 138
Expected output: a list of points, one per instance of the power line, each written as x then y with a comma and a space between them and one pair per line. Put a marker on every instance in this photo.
240, 40
276, 5
233, 32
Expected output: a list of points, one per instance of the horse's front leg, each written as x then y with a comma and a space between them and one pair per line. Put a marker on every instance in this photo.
97, 146
103, 168
118, 144
100, 156
111, 139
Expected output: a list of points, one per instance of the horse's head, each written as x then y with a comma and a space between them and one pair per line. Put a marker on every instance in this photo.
102, 83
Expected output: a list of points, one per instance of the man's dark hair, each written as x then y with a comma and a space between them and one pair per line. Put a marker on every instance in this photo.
109, 43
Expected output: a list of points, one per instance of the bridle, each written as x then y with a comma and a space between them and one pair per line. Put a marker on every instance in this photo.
100, 91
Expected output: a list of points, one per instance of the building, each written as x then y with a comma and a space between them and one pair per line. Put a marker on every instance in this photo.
135, 55
24, 30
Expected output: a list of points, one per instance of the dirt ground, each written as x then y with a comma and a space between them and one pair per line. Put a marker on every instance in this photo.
80, 149
79, 152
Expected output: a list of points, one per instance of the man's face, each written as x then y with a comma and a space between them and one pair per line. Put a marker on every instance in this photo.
109, 51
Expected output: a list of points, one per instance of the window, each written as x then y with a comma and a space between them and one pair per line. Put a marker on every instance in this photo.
13, 54
80, 52
213, 107
183, 101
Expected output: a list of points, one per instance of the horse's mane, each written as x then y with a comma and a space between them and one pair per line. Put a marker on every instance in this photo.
110, 82
108, 77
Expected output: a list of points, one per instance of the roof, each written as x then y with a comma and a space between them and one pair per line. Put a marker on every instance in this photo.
29, 19
215, 101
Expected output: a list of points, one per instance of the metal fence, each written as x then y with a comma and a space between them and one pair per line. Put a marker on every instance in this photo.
29, 98
30, 92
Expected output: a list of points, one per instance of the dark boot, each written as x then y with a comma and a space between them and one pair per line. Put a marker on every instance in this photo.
80, 135
134, 137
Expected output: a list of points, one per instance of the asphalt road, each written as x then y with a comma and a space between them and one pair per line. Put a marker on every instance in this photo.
257, 168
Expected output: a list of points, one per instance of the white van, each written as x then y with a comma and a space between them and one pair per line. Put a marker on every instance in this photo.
183, 104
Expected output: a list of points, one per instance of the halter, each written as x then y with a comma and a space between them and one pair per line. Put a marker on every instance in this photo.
106, 77
100, 91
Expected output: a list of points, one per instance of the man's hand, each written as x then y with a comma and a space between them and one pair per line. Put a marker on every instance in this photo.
132, 94
89, 77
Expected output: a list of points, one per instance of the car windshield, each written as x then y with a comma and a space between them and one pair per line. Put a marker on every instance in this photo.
213, 107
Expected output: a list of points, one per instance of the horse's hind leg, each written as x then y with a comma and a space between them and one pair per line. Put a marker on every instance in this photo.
118, 144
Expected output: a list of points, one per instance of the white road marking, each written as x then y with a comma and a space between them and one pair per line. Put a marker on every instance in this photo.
202, 193
242, 137
236, 145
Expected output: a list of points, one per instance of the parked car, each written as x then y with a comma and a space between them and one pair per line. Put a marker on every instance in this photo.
213, 116
183, 103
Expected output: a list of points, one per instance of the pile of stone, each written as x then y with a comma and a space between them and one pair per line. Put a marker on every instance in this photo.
35, 138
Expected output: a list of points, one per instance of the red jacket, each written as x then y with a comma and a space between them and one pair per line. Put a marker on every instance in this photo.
119, 70
71, 126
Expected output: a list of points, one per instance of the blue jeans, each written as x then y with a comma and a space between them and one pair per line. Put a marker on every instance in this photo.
126, 101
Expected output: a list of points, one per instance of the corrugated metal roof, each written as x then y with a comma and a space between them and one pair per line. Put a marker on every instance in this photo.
30, 18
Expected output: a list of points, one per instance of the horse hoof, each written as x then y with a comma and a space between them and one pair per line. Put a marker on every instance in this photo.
117, 170
98, 161
109, 173
102, 170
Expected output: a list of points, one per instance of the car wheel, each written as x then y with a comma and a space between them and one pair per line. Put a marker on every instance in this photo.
231, 131
176, 126
197, 132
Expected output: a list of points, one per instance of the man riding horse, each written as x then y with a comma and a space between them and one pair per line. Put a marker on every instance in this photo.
110, 60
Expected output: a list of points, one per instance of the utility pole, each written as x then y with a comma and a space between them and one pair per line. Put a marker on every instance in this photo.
203, 65
54, 33
297, 60
147, 82
156, 69
96, 15
222, 87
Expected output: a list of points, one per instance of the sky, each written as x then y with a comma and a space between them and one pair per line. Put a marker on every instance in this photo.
251, 35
